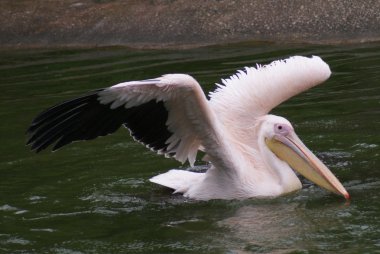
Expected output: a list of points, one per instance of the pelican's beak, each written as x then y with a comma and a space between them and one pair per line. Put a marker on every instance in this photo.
290, 149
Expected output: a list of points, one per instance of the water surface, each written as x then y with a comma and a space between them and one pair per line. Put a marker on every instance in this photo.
94, 197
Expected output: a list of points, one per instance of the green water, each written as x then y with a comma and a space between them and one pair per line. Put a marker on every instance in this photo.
94, 197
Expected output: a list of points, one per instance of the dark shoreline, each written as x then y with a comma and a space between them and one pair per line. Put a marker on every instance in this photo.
169, 24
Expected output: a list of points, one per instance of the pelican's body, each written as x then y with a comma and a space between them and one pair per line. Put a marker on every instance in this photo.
257, 173
252, 154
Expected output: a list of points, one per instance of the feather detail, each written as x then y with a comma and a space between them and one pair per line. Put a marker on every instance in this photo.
254, 92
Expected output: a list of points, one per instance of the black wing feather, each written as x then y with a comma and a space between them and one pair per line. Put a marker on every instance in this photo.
59, 109
85, 118
150, 127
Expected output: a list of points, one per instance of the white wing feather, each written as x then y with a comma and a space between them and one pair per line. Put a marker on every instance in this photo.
255, 91
172, 89
190, 118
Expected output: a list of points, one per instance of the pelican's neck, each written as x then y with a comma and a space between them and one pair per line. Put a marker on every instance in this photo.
281, 171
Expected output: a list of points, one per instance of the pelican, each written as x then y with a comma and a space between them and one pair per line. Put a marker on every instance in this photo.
252, 154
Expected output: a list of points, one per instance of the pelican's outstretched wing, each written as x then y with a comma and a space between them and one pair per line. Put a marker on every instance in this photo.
255, 91
169, 115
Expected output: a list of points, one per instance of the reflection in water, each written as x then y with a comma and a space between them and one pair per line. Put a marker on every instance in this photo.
271, 227
275, 227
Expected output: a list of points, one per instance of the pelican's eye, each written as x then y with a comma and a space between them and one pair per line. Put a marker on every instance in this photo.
281, 129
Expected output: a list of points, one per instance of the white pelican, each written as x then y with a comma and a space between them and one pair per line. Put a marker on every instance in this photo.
252, 154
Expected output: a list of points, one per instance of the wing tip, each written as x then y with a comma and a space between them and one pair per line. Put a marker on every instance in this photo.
314, 65
45, 122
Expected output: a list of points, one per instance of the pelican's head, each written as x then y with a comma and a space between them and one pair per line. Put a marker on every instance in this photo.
282, 141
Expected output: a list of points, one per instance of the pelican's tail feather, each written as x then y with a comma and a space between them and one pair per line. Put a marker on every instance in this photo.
178, 180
